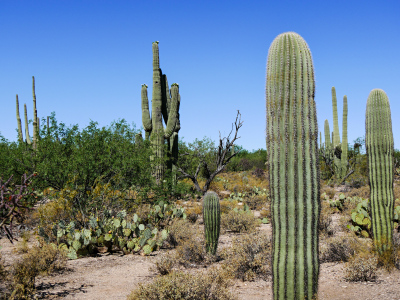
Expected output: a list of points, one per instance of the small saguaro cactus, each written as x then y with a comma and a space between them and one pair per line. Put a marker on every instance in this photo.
20, 135
292, 147
380, 148
212, 221
343, 160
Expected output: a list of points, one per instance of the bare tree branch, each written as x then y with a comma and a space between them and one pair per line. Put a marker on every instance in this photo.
223, 156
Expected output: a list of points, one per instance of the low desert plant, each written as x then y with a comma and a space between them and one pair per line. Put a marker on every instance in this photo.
41, 259
249, 257
337, 249
256, 201
239, 221
179, 232
208, 285
362, 267
164, 263
192, 251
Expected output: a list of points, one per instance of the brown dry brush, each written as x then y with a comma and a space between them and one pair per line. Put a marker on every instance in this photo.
12, 206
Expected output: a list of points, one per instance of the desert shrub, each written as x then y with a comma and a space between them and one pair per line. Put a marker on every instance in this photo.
193, 211
228, 205
363, 192
192, 251
207, 285
22, 246
325, 220
256, 201
259, 173
41, 259
337, 249
239, 221
362, 267
179, 232
249, 257
164, 263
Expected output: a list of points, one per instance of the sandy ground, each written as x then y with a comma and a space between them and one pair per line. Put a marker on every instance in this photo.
114, 276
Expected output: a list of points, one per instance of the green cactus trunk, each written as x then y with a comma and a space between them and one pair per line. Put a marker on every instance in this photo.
336, 141
344, 163
20, 135
35, 117
28, 140
327, 136
292, 146
161, 106
380, 150
212, 221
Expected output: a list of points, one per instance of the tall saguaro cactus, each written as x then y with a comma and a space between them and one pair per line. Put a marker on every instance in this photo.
380, 149
343, 161
35, 117
292, 147
336, 140
28, 139
163, 104
20, 135
212, 221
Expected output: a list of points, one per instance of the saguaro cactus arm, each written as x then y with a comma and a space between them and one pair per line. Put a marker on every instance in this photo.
336, 136
146, 119
28, 140
35, 117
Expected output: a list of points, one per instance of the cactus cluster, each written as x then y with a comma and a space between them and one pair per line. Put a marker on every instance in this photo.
164, 105
114, 231
380, 150
292, 147
36, 124
361, 219
212, 221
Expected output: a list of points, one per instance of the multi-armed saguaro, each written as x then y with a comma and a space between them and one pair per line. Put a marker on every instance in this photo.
163, 105
35, 120
380, 149
212, 220
292, 147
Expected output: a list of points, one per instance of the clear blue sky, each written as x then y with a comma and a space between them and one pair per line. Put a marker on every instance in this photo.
90, 58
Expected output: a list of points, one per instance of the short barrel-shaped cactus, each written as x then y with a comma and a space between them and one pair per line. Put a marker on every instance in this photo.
212, 221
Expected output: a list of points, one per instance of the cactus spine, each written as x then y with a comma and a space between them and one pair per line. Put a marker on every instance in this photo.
20, 136
343, 162
212, 220
162, 106
292, 147
380, 148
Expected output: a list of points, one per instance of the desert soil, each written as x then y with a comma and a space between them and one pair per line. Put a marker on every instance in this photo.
114, 276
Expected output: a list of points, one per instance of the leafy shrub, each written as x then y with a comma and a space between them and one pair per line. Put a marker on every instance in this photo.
249, 257
42, 259
362, 267
337, 249
209, 285
239, 221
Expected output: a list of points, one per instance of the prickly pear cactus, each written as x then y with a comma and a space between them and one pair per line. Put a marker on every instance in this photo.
380, 150
292, 147
212, 221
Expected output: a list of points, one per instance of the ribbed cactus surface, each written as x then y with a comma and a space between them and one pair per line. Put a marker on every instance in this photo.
212, 221
380, 148
327, 136
28, 140
336, 141
292, 147
20, 135
163, 104
343, 160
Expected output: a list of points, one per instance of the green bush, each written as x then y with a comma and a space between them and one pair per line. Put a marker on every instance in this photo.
239, 221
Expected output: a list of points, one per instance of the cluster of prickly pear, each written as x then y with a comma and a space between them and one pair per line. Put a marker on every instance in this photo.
162, 214
361, 219
212, 221
292, 147
112, 232
164, 104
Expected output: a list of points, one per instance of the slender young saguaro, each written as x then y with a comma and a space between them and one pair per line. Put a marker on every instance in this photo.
35, 117
28, 140
343, 163
20, 136
380, 150
327, 136
292, 147
336, 140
